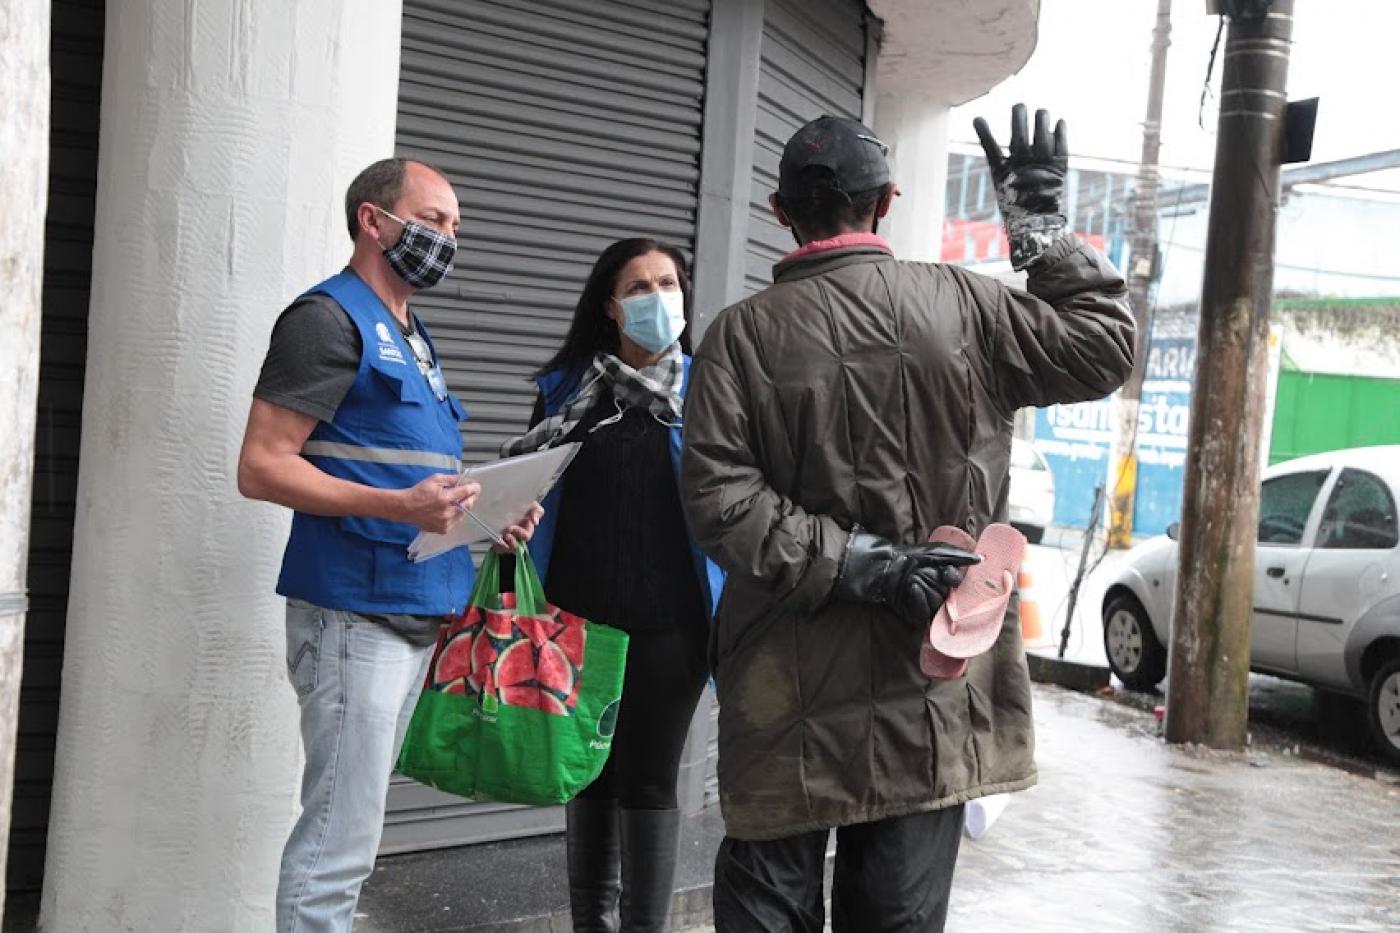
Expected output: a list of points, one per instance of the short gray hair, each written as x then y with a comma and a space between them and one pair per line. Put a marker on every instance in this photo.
380, 184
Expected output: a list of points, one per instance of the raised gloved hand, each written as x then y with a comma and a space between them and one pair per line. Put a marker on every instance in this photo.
1029, 183
911, 579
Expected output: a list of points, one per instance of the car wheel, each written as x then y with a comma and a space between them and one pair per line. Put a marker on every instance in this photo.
1134, 652
1383, 709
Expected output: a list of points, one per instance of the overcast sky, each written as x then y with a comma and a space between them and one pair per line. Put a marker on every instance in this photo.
1090, 67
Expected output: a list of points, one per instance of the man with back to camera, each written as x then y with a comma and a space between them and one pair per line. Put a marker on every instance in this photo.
834, 420
353, 427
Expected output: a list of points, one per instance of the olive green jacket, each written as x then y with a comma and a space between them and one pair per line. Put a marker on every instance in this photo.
859, 389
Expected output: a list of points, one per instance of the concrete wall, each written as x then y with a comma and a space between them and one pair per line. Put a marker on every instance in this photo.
230, 130
24, 140
1359, 338
915, 127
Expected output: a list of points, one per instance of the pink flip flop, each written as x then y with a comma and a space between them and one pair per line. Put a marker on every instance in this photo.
935, 664
970, 621
938, 666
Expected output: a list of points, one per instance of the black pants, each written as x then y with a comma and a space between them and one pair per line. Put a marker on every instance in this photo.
666, 670
892, 876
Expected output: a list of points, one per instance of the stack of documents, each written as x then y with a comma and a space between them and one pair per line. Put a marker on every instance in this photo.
508, 488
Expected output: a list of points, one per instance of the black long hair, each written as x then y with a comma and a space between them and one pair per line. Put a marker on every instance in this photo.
592, 331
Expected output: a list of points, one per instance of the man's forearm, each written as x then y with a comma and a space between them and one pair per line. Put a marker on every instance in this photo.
291, 481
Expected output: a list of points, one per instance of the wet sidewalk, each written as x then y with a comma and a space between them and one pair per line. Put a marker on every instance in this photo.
1123, 832
1126, 833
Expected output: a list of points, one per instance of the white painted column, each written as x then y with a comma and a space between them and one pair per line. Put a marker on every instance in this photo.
24, 176
915, 128
230, 130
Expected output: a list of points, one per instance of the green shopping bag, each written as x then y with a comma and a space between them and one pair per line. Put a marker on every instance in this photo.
521, 698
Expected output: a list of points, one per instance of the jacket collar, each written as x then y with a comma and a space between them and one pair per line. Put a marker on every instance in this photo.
840, 241
793, 268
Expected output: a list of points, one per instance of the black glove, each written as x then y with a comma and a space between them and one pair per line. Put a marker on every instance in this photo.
1029, 183
911, 579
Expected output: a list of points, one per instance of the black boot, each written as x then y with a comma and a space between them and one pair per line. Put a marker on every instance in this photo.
592, 843
649, 849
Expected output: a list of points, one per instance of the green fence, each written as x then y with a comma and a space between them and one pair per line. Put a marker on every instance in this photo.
1315, 412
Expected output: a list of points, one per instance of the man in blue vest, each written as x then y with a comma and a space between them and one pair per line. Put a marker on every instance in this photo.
352, 427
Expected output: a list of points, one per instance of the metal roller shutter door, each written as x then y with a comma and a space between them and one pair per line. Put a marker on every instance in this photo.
76, 63
564, 125
812, 63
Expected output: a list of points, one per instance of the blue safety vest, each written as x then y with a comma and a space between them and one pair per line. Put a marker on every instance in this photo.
390, 432
558, 387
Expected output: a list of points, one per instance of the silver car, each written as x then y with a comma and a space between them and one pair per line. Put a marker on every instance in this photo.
1031, 503
1326, 586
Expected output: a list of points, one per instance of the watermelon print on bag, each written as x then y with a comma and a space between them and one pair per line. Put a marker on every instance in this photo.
519, 660
520, 700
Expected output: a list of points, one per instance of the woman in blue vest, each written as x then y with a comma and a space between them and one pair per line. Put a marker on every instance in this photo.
614, 548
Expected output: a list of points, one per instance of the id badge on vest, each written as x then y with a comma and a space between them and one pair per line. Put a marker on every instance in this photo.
437, 383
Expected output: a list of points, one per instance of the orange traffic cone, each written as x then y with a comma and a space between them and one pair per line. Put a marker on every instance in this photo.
1032, 633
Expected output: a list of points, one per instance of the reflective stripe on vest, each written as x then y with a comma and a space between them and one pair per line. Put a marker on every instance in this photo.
418, 458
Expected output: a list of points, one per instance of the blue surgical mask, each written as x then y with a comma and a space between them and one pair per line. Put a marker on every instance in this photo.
655, 320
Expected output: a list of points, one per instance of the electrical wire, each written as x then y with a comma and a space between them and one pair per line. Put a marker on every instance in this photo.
974, 153
1210, 69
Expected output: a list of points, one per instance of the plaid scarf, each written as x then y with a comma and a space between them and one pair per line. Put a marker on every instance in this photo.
656, 388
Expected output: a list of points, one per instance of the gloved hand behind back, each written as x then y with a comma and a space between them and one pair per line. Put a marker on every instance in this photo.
912, 580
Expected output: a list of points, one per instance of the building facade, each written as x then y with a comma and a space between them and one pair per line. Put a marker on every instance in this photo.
199, 155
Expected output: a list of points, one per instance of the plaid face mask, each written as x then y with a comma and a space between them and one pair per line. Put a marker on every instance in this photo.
422, 256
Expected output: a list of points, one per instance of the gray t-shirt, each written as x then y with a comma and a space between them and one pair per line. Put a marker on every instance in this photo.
312, 361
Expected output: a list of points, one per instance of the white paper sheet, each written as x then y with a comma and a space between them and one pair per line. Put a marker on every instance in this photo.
980, 814
507, 489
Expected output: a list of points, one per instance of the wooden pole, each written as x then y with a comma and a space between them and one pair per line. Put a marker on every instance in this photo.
1208, 679
24, 180
1123, 493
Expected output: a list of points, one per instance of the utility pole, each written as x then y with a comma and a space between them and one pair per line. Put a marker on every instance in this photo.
24, 181
1140, 269
1208, 686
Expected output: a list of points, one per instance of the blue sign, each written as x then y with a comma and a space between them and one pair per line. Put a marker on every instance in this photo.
1077, 442
1163, 416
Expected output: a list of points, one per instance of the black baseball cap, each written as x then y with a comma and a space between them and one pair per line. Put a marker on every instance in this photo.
851, 150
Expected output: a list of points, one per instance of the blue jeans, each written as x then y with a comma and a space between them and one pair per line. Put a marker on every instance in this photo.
357, 683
